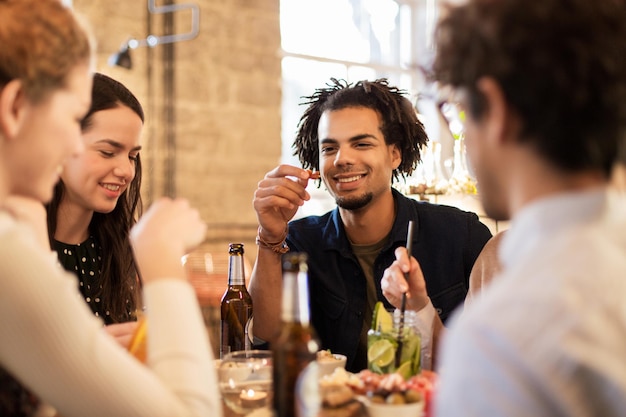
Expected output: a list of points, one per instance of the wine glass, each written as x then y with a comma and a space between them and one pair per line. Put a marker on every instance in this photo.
245, 379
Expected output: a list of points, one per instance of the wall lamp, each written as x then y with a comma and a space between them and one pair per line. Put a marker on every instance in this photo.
122, 57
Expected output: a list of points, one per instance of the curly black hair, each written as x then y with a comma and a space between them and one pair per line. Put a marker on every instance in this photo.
401, 126
560, 63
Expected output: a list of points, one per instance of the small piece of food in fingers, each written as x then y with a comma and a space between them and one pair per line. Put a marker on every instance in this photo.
314, 175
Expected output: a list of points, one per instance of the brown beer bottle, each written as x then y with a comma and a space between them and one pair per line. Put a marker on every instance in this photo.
236, 306
297, 343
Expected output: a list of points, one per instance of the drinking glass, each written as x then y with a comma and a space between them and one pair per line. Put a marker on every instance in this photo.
384, 343
245, 379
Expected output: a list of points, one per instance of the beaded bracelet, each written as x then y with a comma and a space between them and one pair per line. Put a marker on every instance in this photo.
279, 247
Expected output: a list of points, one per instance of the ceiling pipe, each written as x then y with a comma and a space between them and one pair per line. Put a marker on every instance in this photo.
123, 58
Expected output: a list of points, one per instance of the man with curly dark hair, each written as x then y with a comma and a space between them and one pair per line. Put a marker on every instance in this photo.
543, 84
360, 137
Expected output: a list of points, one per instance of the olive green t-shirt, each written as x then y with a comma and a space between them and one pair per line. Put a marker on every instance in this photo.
366, 255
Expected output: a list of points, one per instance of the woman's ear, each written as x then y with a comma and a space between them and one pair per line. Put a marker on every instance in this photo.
12, 101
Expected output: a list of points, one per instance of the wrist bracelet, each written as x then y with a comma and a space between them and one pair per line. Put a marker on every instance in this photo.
279, 247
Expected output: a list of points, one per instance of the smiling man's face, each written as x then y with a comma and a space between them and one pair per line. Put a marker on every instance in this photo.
356, 164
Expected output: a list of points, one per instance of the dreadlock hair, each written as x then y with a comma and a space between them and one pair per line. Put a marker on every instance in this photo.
400, 125
119, 275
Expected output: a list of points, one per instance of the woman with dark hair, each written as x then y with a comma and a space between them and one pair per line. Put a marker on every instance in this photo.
97, 200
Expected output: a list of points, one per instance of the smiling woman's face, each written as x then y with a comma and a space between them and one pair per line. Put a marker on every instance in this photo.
95, 180
355, 162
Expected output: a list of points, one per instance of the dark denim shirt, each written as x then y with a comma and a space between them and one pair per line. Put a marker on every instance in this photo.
446, 242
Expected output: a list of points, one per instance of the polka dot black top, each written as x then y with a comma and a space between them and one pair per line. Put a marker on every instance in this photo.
84, 260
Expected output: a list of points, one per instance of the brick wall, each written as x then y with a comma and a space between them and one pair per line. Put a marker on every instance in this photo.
225, 105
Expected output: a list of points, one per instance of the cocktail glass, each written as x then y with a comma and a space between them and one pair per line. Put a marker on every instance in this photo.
383, 345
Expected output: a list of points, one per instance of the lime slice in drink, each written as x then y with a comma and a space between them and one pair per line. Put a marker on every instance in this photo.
406, 370
410, 347
381, 353
376, 369
417, 366
382, 321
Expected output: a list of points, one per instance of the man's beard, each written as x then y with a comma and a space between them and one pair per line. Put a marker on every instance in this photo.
355, 203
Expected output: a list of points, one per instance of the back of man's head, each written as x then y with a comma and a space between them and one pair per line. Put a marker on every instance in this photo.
561, 65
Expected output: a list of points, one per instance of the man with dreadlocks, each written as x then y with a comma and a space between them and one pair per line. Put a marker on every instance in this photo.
361, 138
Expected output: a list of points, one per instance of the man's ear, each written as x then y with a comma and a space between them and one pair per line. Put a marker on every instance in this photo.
501, 121
12, 100
396, 156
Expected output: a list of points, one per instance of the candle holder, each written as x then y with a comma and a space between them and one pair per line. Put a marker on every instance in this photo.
245, 379
251, 399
